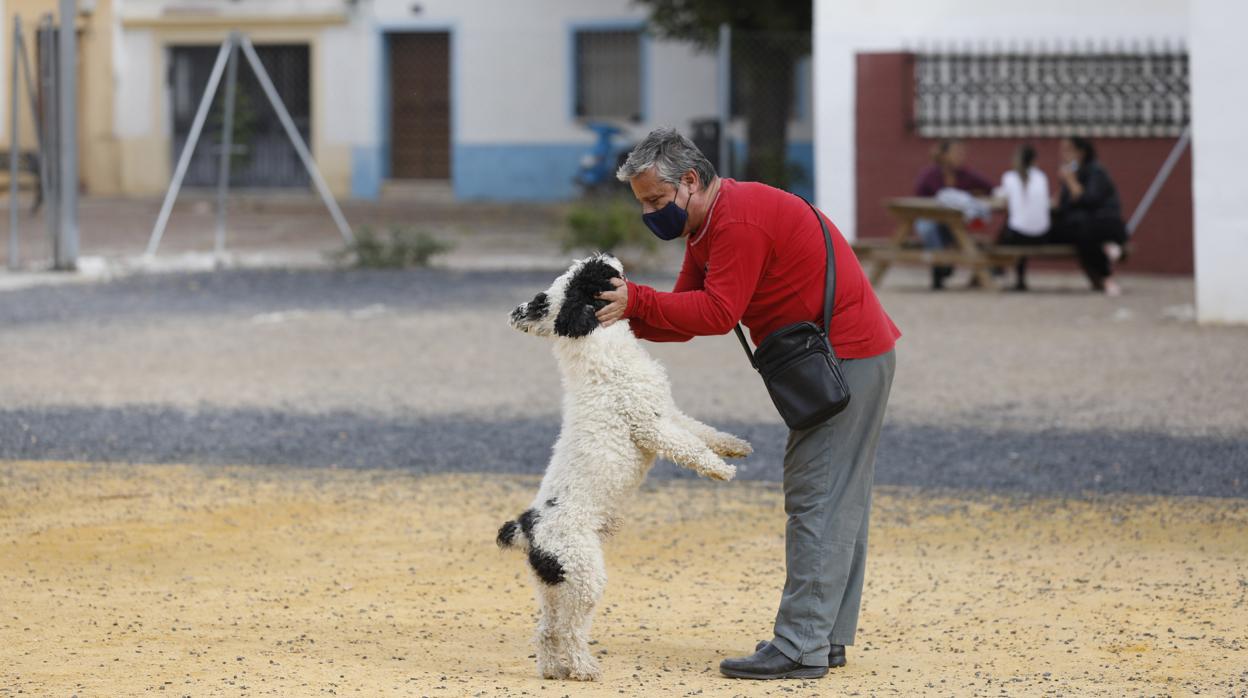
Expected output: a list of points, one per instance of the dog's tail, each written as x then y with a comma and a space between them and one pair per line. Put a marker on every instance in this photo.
510, 535
519, 533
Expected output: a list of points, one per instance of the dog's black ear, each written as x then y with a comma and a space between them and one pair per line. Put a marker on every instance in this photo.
576, 317
575, 320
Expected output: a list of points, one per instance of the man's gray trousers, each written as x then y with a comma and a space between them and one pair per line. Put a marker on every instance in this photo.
828, 473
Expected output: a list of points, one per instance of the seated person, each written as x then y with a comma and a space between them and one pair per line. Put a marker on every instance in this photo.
1026, 191
1088, 214
945, 172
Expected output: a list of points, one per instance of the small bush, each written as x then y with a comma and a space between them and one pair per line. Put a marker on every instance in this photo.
607, 225
398, 248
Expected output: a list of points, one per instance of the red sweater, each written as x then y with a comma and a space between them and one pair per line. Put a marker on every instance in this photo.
760, 259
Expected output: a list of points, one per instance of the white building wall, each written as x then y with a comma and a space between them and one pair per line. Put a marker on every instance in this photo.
150, 9
133, 115
1220, 149
513, 66
843, 29
513, 131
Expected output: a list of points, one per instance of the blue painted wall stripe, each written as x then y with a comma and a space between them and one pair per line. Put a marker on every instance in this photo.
544, 171
509, 172
366, 172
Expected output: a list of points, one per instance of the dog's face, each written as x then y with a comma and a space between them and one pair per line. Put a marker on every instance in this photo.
568, 307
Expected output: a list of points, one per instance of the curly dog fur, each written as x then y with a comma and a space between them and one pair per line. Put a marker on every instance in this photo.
618, 416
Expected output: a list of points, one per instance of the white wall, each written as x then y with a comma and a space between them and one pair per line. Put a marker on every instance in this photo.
1220, 149
348, 65
843, 29
511, 67
132, 103
135, 9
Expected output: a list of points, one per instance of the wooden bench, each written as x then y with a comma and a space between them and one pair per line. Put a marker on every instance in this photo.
978, 253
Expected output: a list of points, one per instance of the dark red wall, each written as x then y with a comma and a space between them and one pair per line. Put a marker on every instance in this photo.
890, 155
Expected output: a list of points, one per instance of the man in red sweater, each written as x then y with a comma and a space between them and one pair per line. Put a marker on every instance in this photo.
756, 255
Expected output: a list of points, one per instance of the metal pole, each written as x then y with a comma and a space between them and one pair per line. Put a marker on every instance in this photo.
725, 97
68, 249
296, 140
14, 263
48, 160
33, 102
227, 143
1162, 175
184, 160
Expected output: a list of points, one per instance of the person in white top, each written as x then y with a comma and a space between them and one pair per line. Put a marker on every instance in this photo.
1026, 191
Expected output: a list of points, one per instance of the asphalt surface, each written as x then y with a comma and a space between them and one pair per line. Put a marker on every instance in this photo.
926, 456
258, 291
922, 447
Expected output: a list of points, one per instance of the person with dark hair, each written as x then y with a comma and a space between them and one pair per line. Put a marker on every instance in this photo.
1026, 192
947, 171
1088, 214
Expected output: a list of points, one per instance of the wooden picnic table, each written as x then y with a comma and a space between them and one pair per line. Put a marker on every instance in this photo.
979, 255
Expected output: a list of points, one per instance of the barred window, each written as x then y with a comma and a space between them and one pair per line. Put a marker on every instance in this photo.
1109, 94
608, 74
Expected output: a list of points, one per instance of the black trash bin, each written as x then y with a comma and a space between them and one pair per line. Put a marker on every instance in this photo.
705, 134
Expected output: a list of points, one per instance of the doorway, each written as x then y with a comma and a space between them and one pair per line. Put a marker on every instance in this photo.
420, 105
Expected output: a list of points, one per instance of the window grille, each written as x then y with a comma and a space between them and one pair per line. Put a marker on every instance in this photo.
608, 74
1021, 93
264, 156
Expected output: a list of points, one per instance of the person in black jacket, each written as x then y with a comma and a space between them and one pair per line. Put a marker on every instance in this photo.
1088, 214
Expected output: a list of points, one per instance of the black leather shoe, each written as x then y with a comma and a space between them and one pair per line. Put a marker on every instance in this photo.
769, 663
836, 656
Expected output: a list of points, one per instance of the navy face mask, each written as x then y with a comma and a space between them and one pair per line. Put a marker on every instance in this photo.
668, 222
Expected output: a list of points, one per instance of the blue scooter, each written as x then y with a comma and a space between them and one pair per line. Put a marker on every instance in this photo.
596, 174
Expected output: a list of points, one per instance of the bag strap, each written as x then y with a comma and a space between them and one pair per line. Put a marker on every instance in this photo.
829, 286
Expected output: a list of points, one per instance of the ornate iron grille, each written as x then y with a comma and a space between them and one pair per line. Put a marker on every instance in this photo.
1105, 94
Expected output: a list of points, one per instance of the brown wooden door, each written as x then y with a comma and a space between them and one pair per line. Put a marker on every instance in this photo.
420, 105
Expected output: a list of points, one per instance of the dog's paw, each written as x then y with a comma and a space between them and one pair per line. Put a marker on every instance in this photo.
552, 671
731, 447
585, 670
723, 471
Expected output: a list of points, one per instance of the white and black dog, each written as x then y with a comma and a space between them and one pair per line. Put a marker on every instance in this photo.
618, 415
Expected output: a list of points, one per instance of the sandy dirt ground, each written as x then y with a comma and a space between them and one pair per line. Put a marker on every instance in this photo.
122, 580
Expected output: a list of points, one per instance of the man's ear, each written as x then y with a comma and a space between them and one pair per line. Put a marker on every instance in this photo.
690, 178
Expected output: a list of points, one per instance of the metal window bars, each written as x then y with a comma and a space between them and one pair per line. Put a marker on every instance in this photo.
1121, 90
227, 56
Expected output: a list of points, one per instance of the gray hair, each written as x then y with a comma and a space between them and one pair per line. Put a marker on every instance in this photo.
671, 154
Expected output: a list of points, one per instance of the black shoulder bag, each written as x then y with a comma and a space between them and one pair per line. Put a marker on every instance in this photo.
798, 366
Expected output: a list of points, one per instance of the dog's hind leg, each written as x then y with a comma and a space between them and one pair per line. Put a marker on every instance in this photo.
550, 651
579, 595
723, 444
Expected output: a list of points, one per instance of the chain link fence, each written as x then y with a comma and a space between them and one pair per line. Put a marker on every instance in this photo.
771, 130
762, 132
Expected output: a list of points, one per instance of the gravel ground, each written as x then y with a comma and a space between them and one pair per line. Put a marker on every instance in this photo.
212, 581
344, 559
1054, 391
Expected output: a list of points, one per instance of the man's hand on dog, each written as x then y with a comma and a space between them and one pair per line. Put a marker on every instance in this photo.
618, 303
